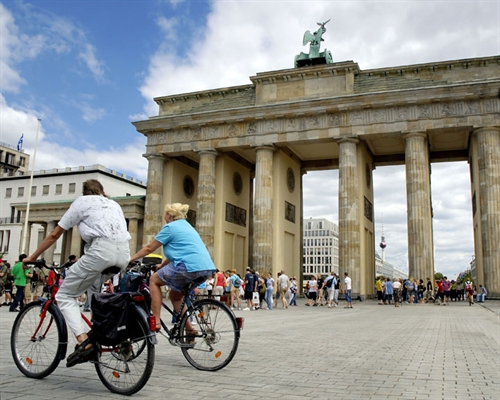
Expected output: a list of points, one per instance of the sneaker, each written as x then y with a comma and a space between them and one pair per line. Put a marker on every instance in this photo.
335, 305
253, 308
315, 305
246, 309
329, 306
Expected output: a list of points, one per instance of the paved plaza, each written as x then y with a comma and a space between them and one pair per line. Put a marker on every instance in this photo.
369, 352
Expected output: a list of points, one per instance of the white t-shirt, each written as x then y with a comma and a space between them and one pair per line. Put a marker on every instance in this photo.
96, 217
283, 281
347, 282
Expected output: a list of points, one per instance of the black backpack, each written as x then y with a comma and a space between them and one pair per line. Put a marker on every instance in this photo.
328, 283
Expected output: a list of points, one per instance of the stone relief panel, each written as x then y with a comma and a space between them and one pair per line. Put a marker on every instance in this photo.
236, 215
289, 212
368, 210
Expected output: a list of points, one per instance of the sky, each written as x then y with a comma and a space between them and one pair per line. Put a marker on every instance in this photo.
87, 69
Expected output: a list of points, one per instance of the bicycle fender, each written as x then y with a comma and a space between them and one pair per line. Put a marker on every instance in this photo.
142, 314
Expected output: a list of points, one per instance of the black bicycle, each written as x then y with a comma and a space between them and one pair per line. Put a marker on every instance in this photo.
213, 343
39, 341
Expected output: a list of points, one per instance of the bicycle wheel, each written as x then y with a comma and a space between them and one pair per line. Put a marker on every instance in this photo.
36, 341
218, 335
126, 368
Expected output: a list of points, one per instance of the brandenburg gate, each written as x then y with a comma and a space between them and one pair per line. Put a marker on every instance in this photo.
237, 155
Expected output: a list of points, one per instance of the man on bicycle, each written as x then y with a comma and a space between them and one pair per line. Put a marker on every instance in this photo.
187, 259
102, 226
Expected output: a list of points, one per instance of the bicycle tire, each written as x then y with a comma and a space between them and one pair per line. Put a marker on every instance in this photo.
127, 367
218, 335
37, 356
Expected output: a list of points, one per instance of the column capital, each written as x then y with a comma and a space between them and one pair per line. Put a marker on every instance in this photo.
268, 147
154, 156
415, 134
347, 139
485, 129
209, 151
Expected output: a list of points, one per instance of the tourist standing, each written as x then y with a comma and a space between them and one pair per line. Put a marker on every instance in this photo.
348, 290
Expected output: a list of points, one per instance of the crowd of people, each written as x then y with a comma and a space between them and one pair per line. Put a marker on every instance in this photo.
414, 291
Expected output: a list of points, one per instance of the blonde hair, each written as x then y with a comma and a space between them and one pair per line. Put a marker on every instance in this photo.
177, 210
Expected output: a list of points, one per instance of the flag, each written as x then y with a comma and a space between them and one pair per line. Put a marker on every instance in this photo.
20, 143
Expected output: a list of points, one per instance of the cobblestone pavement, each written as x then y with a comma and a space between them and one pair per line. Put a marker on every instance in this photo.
369, 352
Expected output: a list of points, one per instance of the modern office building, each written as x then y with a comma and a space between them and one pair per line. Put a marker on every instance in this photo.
49, 196
321, 247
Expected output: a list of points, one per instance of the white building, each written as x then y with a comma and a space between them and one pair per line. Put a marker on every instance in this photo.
49, 196
387, 270
321, 247
13, 161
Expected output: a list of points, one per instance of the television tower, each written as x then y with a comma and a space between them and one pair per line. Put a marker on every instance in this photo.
383, 244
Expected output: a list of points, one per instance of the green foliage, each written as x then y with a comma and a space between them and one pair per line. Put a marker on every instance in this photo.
438, 276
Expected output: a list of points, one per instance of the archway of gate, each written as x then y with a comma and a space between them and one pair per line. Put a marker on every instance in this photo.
236, 156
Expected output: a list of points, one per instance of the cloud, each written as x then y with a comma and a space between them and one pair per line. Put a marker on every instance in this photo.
88, 56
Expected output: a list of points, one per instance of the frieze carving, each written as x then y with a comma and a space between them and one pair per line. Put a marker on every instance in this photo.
252, 128
323, 121
402, 113
196, 133
233, 130
378, 116
356, 117
236, 215
271, 126
448, 109
292, 124
472, 107
424, 111
313, 122
334, 120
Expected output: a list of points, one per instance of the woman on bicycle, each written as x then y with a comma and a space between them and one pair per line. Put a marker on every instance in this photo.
102, 226
187, 259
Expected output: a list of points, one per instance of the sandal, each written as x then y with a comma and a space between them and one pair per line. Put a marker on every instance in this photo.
81, 354
190, 336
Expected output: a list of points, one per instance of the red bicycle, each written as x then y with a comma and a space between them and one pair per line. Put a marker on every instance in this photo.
39, 341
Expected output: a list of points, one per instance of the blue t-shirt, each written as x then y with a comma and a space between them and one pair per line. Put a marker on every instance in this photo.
388, 287
249, 279
182, 244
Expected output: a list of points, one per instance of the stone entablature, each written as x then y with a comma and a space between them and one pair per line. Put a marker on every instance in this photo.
435, 112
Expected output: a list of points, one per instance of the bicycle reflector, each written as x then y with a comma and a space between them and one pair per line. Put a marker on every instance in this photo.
240, 322
152, 323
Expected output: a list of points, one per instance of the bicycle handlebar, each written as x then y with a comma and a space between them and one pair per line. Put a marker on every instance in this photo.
40, 264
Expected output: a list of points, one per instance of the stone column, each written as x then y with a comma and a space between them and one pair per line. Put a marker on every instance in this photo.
263, 210
251, 262
153, 211
205, 215
418, 193
48, 254
132, 229
349, 213
76, 244
488, 143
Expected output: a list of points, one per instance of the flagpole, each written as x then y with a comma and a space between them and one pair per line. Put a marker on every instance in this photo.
25, 230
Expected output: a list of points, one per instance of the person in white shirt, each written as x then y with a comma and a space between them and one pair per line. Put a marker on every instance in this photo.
283, 283
102, 226
347, 290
